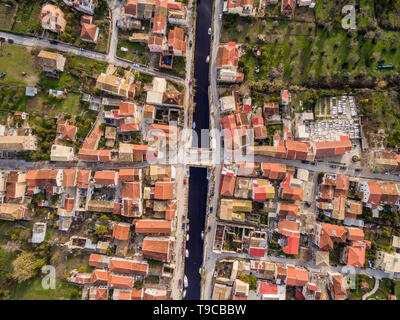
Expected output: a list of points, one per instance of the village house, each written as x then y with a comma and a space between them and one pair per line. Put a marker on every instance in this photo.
52, 63
89, 33
52, 18
61, 153
111, 84
158, 248
85, 6
227, 63
288, 7
13, 211
240, 7
18, 143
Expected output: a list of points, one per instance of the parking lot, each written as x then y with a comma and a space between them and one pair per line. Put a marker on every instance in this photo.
338, 117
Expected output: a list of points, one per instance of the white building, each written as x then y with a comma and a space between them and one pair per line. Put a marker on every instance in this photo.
85, 6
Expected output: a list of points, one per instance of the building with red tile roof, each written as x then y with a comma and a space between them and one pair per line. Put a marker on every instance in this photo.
89, 32
98, 260
289, 228
274, 171
355, 234
69, 178
119, 265
131, 190
65, 131
158, 248
121, 231
292, 245
270, 108
332, 148
99, 277
127, 109
296, 277
159, 24
286, 209
164, 190
106, 178
260, 132
120, 282
130, 175
297, 150
83, 179
326, 234
354, 254
342, 185
44, 178
176, 41
288, 193
227, 184
288, 7
336, 286
154, 226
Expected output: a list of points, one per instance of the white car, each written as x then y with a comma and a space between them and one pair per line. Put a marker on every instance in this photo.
184, 293
185, 282
187, 253
209, 31
187, 237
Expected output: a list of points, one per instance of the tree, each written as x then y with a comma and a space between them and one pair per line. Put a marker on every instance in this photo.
100, 230
24, 266
251, 280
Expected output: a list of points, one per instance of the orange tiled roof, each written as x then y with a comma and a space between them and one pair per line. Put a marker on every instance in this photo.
153, 226
69, 177
121, 231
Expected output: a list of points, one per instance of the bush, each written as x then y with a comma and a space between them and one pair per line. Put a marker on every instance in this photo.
251, 280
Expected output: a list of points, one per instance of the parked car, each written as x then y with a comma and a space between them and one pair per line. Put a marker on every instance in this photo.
187, 228
187, 253
183, 226
333, 166
184, 181
10, 41
2, 39
53, 42
190, 43
2, 74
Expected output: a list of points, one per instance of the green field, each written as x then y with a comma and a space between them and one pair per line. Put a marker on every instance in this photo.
66, 81
142, 55
6, 14
33, 290
15, 60
26, 17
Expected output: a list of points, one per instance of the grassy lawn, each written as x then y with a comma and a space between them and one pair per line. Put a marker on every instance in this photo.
6, 14
358, 292
32, 290
12, 98
80, 262
15, 60
331, 58
66, 81
5, 263
178, 67
88, 65
26, 17
141, 55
